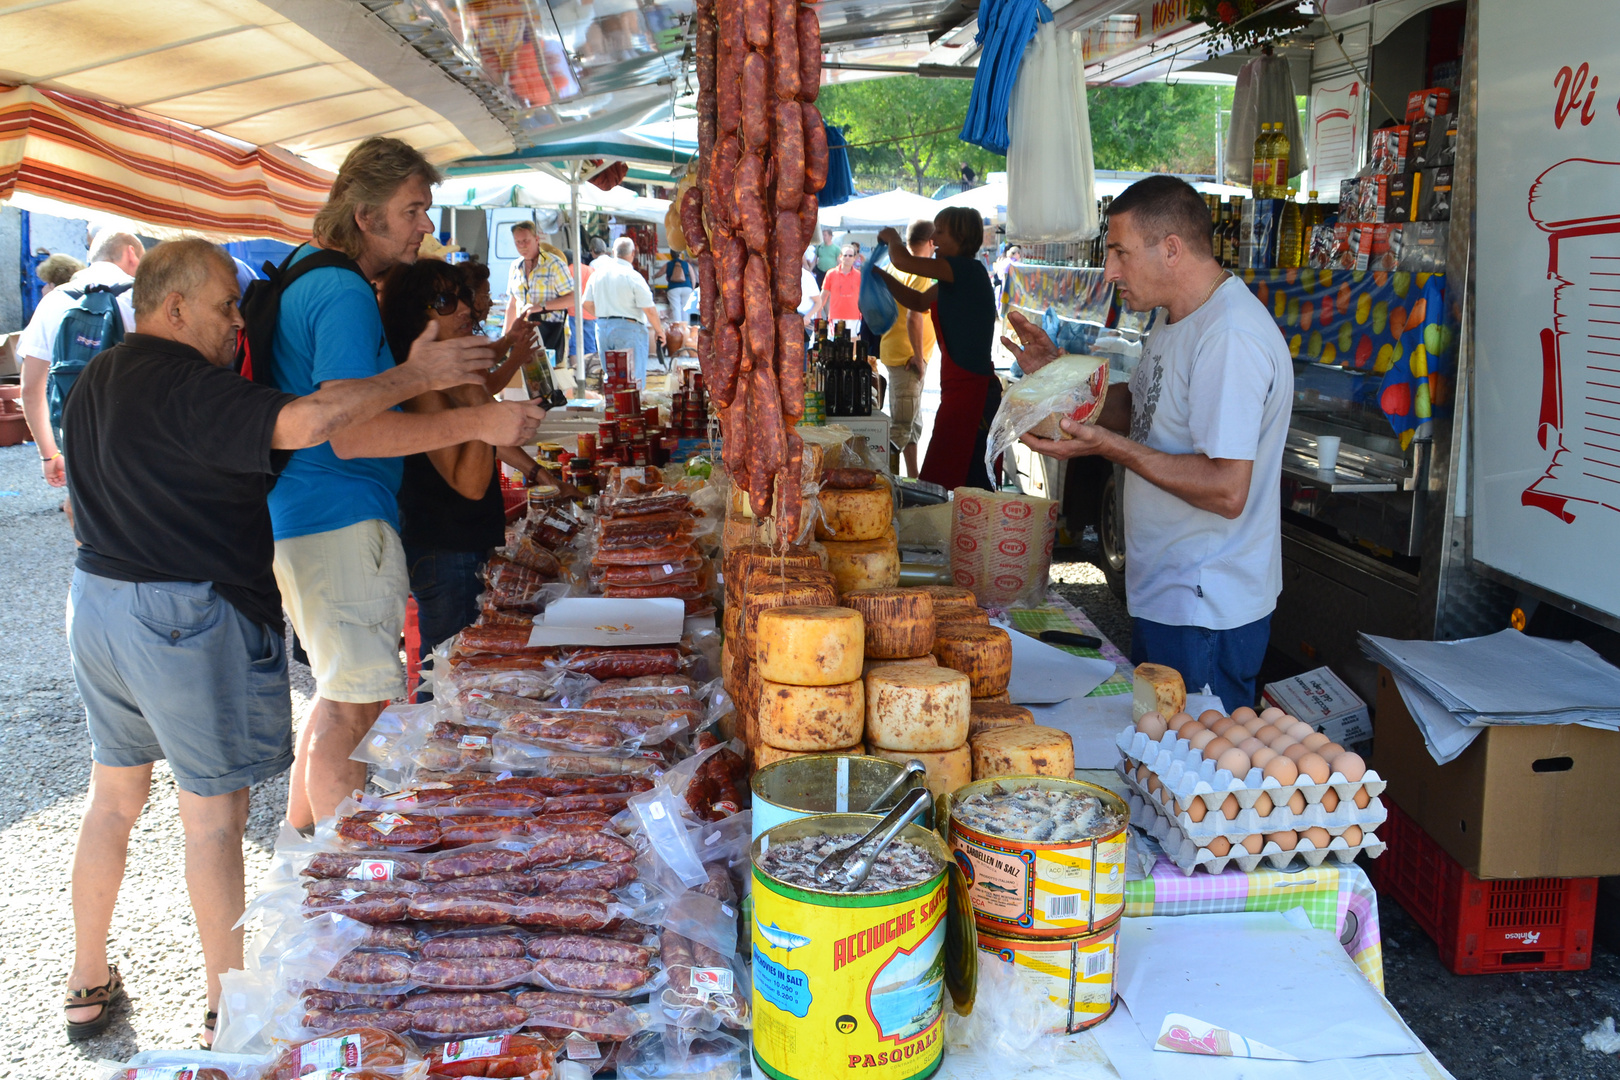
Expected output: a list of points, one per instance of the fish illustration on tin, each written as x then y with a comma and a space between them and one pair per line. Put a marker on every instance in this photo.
786, 940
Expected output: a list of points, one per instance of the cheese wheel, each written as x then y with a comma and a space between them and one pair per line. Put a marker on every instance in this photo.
782, 594
1022, 750
855, 514
747, 701
809, 646
964, 615
811, 717
740, 561
985, 715
899, 622
1157, 688
864, 564
1001, 698
911, 707
738, 532
765, 755
950, 598
982, 653
926, 660
947, 769
731, 621
728, 660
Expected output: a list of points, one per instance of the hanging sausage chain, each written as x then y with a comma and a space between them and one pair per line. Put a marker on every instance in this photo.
762, 156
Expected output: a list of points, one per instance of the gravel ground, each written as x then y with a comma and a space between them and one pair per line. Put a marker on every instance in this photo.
1512, 1027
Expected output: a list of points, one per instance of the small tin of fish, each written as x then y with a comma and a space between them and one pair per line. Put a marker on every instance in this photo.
1076, 973
1044, 857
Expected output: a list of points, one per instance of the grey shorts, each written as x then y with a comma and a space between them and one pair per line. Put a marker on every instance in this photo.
173, 670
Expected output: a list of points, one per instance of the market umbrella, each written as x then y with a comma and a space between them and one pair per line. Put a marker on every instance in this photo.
898, 208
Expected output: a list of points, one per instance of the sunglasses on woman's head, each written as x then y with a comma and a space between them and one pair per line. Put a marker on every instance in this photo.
444, 302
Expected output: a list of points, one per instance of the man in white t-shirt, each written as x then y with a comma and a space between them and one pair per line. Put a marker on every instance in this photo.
622, 303
1200, 428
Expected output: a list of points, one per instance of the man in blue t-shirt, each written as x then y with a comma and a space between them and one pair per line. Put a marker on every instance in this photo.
339, 562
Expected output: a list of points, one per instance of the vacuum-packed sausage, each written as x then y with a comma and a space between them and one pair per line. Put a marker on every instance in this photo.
589, 975
809, 42
498, 799
789, 149
753, 221
584, 910
448, 865
379, 1049
610, 876
362, 907
551, 786
371, 969
469, 946
756, 19
815, 149
489, 908
348, 888
613, 663
761, 321
398, 938
554, 1011
785, 68
334, 1000
324, 1020
479, 972
559, 848
374, 829
456, 833
514, 1055
587, 947
790, 373
456, 999
390, 865
511, 881
466, 1021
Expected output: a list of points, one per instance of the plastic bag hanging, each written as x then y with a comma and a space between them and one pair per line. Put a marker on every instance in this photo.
840, 186
1264, 95
878, 307
1051, 196
1005, 29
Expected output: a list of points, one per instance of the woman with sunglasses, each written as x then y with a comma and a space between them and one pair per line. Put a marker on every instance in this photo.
450, 506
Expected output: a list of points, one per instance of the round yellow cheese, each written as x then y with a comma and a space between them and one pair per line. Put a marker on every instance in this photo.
899, 622
864, 564
1022, 750
926, 660
991, 714
855, 514
764, 592
912, 707
809, 646
947, 769
765, 755
811, 717
982, 653
1157, 688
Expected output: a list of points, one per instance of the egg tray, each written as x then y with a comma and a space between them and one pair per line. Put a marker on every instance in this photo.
1190, 857
1189, 775
1249, 821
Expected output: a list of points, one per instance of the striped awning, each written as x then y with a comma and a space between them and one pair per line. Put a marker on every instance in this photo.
164, 176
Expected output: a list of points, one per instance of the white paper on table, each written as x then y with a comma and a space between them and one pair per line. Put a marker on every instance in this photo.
1509, 675
1134, 1058
1093, 723
1044, 675
1260, 974
589, 620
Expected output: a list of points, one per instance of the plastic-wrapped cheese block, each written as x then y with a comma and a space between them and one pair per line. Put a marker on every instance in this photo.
947, 769
765, 754
811, 717
899, 622
1022, 750
991, 714
911, 707
982, 653
1157, 688
860, 514
809, 646
864, 564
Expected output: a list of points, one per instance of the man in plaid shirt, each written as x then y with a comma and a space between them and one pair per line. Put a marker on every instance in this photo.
540, 282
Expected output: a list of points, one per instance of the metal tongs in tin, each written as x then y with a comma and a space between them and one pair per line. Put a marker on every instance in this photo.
837, 870
913, 768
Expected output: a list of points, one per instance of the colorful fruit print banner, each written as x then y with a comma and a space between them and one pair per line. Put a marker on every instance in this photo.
1383, 323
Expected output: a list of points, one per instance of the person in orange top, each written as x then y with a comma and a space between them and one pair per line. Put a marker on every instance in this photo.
841, 291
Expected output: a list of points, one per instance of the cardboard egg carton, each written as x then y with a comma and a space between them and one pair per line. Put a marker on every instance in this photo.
1189, 856
1189, 775
1249, 820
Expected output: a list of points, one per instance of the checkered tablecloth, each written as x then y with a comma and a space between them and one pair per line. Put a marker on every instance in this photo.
1059, 614
1336, 896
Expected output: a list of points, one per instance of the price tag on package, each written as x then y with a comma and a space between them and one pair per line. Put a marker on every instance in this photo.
372, 870
579, 1048
712, 982
472, 1049
387, 823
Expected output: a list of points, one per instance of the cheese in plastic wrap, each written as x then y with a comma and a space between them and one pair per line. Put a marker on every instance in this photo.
1001, 546
1071, 387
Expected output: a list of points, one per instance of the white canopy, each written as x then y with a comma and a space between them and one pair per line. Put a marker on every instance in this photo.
541, 190
898, 208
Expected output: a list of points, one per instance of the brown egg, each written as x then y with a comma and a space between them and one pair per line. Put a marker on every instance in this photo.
1243, 714
1263, 805
1349, 765
1219, 846
1331, 751
1282, 769
1262, 757
1234, 761
1203, 738
1230, 808
1285, 839
1165, 797
1318, 837
1362, 798
1282, 743
1154, 784
1189, 729
1272, 714
1300, 730
1266, 734
1313, 766
1296, 802
1209, 716
1315, 741
1330, 801
1250, 745
1223, 725
1152, 725
1352, 835
1294, 751
1178, 720
1253, 843
1254, 725
1216, 747
1196, 810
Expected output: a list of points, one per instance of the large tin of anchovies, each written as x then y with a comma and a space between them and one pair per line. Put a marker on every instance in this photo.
1043, 856
823, 784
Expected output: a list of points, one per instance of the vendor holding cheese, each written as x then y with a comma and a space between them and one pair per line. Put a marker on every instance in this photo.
1200, 428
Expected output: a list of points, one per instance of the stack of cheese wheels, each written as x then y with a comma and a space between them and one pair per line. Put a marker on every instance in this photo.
899, 622
810, 695
921, 712
756, 578
857, 530
982, 653
995, 714
952, 603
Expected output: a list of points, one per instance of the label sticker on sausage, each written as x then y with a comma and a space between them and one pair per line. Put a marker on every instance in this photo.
163, 1072
579, 1048
712, 980
351, 894
342, 1052
387, 823
473, 742
373, 870
471, 1049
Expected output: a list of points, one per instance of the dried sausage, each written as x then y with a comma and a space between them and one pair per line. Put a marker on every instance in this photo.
494, 639
324, 1020
732, 256
401, 866
560, 847
809, 54
789, 151
449, 865
371, 969
334, 1000
461, 947
483, 908
551, 786
455, 999
705, 45
586, 947
788, 261
728, 92
692, 221
373, 829
610, 876
484, 972
785, 48
723, 180
808, 209
815, 149
707, 284
753, 223
589, 909
379, 1049
518, 1055
349, 888
610, 663
460, 832
734, 444
769, 450
551, 1010
398, 938
761, 322
587, 975
756, 105
497, 798
790, 374
756, 19
466, 1021
511, 881
362, 907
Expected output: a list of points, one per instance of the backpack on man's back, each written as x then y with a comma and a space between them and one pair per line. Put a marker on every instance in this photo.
261, 308
92, 325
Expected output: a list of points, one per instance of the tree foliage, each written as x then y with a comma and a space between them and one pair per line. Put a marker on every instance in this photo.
1155, 127
914, 123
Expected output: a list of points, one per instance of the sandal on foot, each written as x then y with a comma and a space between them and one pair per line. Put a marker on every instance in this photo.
206, 1041
107, 996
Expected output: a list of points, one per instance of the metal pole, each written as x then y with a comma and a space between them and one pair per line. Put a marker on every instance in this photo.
579, 299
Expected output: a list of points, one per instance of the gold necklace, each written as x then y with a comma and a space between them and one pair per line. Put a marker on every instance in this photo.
1219, 279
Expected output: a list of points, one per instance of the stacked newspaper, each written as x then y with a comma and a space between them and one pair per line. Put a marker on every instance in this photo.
1456, 689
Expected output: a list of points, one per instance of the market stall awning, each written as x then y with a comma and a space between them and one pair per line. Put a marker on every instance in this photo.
543, 191
165, 177
897, 208
663, 147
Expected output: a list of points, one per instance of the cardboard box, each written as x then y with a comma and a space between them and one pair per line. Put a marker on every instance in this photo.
1374, 191
1421, 247
1521, 802
1402, 196
1447, 154
1421, 142
1434, 195
1389, 149
1322, 700
1435, 101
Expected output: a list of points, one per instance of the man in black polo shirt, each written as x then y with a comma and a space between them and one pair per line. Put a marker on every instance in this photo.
174, 620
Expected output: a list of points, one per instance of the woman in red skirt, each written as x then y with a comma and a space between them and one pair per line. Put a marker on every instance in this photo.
962, 305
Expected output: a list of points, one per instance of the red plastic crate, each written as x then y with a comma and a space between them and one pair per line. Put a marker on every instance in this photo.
1484, 927
413, 644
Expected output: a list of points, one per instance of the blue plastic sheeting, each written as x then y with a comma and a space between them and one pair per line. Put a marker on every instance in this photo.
878, 307
1006, 28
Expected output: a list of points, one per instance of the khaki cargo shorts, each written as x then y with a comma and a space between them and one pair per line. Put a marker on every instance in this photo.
905, 402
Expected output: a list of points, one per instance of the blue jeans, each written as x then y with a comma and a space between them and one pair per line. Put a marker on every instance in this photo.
1228, 661
446, 586
589, 337
629, 335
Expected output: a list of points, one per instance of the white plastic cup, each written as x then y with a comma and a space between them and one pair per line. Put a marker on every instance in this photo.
1327, 452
